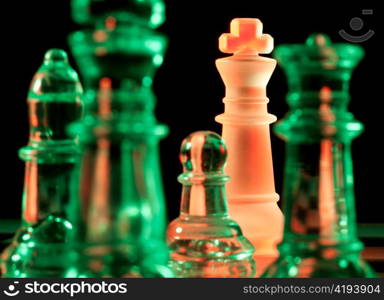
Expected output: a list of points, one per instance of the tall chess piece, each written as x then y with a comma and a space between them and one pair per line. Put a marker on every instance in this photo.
204, 240
40, 247
118, 205
251, 192
320, 237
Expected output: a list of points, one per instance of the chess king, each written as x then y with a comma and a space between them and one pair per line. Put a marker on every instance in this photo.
41, 247
251, 192
320, 238
117, 207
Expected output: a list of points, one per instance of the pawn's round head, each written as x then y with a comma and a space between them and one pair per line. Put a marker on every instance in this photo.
55, 56
202, 152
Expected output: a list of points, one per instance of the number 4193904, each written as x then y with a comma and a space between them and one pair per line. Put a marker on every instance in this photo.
357, 289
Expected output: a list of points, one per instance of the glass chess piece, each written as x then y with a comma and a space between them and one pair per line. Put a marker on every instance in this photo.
320, 238
252, 199
204, 240
40, 247
146, 13
118, 207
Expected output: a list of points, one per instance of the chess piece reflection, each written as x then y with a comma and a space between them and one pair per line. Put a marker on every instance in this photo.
252, 198
40, 247
204, 240
320, 238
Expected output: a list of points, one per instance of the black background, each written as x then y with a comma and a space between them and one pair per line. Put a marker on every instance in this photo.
188, 86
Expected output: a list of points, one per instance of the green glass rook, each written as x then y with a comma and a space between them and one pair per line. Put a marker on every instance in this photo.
320, 237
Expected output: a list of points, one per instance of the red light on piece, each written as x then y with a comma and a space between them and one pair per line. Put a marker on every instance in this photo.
110, 23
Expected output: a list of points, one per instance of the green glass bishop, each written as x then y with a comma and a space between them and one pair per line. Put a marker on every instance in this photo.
320, 237
40, 247
118, 205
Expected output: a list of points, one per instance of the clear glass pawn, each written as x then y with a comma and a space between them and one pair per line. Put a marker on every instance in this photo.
204, 240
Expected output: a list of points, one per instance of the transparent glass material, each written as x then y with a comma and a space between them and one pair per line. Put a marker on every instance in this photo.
149, 13
320, 237
252, 198
40, 247
117, 205
204, 240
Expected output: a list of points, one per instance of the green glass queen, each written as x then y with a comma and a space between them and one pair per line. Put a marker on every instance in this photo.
320, 238
118, 208
41, 247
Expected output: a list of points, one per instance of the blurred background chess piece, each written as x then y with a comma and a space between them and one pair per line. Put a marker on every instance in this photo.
118, 207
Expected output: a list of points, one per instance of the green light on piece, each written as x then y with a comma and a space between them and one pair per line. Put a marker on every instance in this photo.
149, 13
320, 237
40, 247
117, 205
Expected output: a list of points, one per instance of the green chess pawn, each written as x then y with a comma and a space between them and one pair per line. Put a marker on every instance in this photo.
320, 237
118, 208
204, 240
40, 247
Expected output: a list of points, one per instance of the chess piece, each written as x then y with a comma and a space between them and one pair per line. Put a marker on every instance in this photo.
204, 240
40, 246
118, 205
320, 238
251, 192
